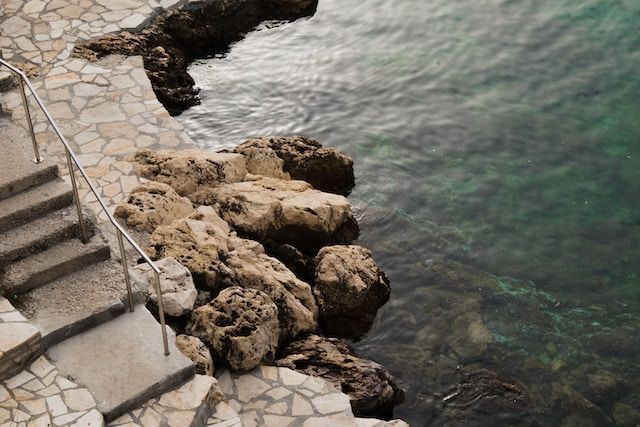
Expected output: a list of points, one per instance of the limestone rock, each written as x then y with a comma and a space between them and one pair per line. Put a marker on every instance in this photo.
239, 325
297, 310
372, 390
178, 291
303, 159
349, 288
195, 350
284, 211
197, 242
153, 204
190, 170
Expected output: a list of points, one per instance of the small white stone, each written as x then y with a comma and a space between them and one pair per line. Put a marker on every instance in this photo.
278, 408
291, 377
91, 419
79, 399
250, 387
41, 367
277, 420
34, 6
301, 406
278, 393
35, 407
330, 403
19, 379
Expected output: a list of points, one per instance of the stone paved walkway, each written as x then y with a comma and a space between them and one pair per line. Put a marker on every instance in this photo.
19, 340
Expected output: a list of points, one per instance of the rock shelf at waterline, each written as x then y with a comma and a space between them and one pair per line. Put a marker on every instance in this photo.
224, 216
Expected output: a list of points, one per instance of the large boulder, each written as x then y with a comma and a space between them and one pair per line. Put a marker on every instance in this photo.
283, 211
199, 242
303, 159
176, 285
195, 350
190, 170
372, 390
152, 204
349, 288
297, 310
240, 325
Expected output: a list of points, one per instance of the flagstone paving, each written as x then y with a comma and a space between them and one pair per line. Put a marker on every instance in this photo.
20, 341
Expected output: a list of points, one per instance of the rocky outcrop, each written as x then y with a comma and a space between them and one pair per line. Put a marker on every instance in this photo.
152, 204
173, 39
372, 390
283, 211
219, 259
195, 350
303, 159
178, 291
240, 326
349, 288
190, 170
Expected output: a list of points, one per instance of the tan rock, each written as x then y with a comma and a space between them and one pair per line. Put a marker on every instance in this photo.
349, 288
153, 204
239, 325
191, 170
195, 350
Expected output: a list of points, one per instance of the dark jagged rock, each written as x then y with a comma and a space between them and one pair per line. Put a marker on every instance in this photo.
175, 38
372, 390
305, 159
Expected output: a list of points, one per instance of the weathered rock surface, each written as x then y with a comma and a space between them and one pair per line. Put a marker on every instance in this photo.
190, 170
176, 284
240, 325
297, 310
303, 159
372, 390
625, 415
349, 288
195, 350
152, 204
284, 211
199, 242
219, 259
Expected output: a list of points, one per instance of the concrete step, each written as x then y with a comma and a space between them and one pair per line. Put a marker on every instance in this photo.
34, 203
79, 301
41, 268
18, 171
40, 234
122, 362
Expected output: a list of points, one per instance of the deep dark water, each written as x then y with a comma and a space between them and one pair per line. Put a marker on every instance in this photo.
497, 152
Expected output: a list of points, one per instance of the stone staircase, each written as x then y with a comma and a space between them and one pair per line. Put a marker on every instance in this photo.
69, 296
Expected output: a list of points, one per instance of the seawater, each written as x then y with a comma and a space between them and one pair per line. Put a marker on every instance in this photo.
499, 135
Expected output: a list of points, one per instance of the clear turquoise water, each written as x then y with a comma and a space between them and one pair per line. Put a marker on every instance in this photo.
501, 134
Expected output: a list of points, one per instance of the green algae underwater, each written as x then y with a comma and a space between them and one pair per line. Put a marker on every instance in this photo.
497, 152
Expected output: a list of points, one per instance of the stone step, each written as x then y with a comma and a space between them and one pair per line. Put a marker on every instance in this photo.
122, 362
18, 171
80, 301
41, 268
39, 235
34, 203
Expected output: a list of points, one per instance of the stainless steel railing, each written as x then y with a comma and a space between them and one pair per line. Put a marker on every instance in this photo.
72, 160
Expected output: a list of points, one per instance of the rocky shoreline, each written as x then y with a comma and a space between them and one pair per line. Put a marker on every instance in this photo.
217, 223
173, 39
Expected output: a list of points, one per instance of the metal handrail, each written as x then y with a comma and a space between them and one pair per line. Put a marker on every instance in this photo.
72, 160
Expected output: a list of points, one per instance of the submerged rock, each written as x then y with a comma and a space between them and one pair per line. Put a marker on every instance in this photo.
482, 397
195, 350
303, 159
152, 204
350, 288
190, 170
283, 211
239, 325
372, 390
178, 291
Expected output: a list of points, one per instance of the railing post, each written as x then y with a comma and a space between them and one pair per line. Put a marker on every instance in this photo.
25, 102
84, 236
123, 255
161, 313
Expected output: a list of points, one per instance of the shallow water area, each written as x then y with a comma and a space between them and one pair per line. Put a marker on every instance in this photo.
497, 154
